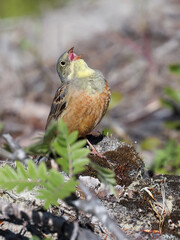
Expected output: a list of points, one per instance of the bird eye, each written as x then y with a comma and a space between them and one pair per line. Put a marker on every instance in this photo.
62, 63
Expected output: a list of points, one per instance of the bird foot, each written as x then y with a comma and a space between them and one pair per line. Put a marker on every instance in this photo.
94, 151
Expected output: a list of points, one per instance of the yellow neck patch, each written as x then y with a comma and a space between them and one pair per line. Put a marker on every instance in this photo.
79, 69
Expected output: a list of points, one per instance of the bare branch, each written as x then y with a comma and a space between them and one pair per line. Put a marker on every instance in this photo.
12, 144
16, 214
93, 205
17, 152
5, 154
13, 211
75, 231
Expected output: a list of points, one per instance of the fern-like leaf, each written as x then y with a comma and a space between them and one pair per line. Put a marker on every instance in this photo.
43, 146
55, 191
21, 178
73, 155
106, 176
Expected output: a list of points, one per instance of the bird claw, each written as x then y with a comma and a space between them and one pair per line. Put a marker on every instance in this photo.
96, 153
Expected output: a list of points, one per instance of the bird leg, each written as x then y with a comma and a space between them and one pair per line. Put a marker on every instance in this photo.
94, 151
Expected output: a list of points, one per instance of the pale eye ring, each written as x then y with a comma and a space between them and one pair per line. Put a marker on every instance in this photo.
62, 63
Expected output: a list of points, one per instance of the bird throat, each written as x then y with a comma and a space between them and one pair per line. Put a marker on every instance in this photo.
86, 78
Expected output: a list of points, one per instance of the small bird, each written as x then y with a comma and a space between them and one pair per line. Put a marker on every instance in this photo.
83, 97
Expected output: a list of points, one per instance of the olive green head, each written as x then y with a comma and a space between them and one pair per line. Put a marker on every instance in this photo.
63, 66
71, 67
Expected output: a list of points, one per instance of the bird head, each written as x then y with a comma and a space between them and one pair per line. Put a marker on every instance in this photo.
65, 64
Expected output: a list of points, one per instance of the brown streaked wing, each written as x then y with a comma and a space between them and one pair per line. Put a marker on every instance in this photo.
58, 104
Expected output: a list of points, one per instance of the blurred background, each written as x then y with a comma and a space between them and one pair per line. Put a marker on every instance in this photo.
135, 43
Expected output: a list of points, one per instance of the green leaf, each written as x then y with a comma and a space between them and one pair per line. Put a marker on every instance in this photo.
33, 174
80, 161
62, 127
68, 188
77, 145
175, 68
173, 124
55, 177
78, 153
10, 172
51, 188
72, 137
9, 185
21, 187
79, 165
64, 164
61, 151
61, 141
116, 98
167, 103
1, 126
166, 160
172, 93
42, 171
105, 175
61, 191
44, 195
43, 146
31, 185
107, 132
51, 132
21, 170
150, 143
78, 170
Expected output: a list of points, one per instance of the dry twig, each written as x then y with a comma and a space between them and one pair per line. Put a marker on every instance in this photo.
93, 205
17, 153
17, 214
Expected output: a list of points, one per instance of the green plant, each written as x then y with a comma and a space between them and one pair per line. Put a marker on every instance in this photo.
150, 143
175, 68
116, 98
1, 126
167, 160
19, 8
172, 99
51, 185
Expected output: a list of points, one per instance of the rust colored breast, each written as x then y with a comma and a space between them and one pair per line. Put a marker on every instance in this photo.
84, 111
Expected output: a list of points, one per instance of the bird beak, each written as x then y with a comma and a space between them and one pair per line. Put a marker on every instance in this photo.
72, 55
76, 58
71, 50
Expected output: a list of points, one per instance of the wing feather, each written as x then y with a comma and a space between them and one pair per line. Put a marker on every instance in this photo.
58, 104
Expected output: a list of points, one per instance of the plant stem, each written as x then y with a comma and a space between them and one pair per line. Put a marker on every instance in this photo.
70, 161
